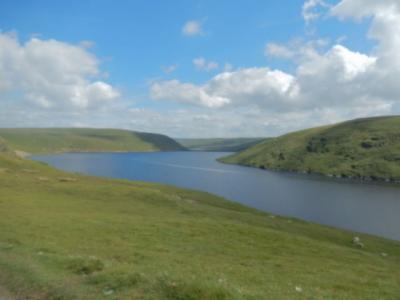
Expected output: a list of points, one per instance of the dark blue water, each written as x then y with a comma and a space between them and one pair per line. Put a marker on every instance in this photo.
368, 208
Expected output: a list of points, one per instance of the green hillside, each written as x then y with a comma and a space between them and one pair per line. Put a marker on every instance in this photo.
69, 236
3, 146
367, 148
51, 140
220, 144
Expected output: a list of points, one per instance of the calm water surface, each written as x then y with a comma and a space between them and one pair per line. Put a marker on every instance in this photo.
373, 209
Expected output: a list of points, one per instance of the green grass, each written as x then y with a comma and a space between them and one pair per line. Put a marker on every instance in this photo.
51, 140
3, 146
364, 148
69, 236
220, 144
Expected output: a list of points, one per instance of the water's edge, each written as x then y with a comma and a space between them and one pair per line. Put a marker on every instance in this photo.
357, 206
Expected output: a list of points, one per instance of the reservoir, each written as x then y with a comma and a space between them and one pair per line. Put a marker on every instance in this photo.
363, 207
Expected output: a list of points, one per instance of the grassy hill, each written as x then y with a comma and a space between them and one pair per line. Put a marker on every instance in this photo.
51, 140
3, 146
70, 236
220, 144
364, 148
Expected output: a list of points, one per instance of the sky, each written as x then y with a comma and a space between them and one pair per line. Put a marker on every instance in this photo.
199, 68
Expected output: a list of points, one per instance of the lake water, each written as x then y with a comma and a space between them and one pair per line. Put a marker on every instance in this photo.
362, 207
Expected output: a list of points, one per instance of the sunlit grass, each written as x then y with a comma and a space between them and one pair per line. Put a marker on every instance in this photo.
92, 238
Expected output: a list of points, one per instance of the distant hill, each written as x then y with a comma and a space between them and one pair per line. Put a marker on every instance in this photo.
364, 148
51, 140
220, 144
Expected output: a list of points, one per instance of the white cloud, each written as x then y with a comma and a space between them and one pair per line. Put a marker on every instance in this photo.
339, 63
277, 50
192, 28
337, 79
333, 79
362, 8
50, 74
202, 64
385, 25
261, 86
382, 80
185, 93
311, 9
297, 50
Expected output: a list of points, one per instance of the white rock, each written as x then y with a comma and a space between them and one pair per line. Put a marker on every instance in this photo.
298, 289
108, 292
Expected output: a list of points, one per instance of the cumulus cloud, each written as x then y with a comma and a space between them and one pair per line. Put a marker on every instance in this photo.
185, 93
382, 80
339, 63
362, 8
262, 86
297, 50
192, 28
277, 50
202, 64
335, 80
50, 73
385, 26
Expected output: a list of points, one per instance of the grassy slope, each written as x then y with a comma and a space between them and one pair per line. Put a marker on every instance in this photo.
69, 236
364, 148
82, 139
3, 146
220, 144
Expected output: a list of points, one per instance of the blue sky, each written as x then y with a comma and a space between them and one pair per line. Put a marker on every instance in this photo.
140, 45
134, 39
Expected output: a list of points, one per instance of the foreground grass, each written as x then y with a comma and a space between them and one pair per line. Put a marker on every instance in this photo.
68, 236
366, 149
51, 140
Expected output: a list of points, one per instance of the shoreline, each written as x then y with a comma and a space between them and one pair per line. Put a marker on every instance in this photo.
300, 217
336, 177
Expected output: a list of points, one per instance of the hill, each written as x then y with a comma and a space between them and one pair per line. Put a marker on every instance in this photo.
52, 140
70, 236
367, 149
220, 144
